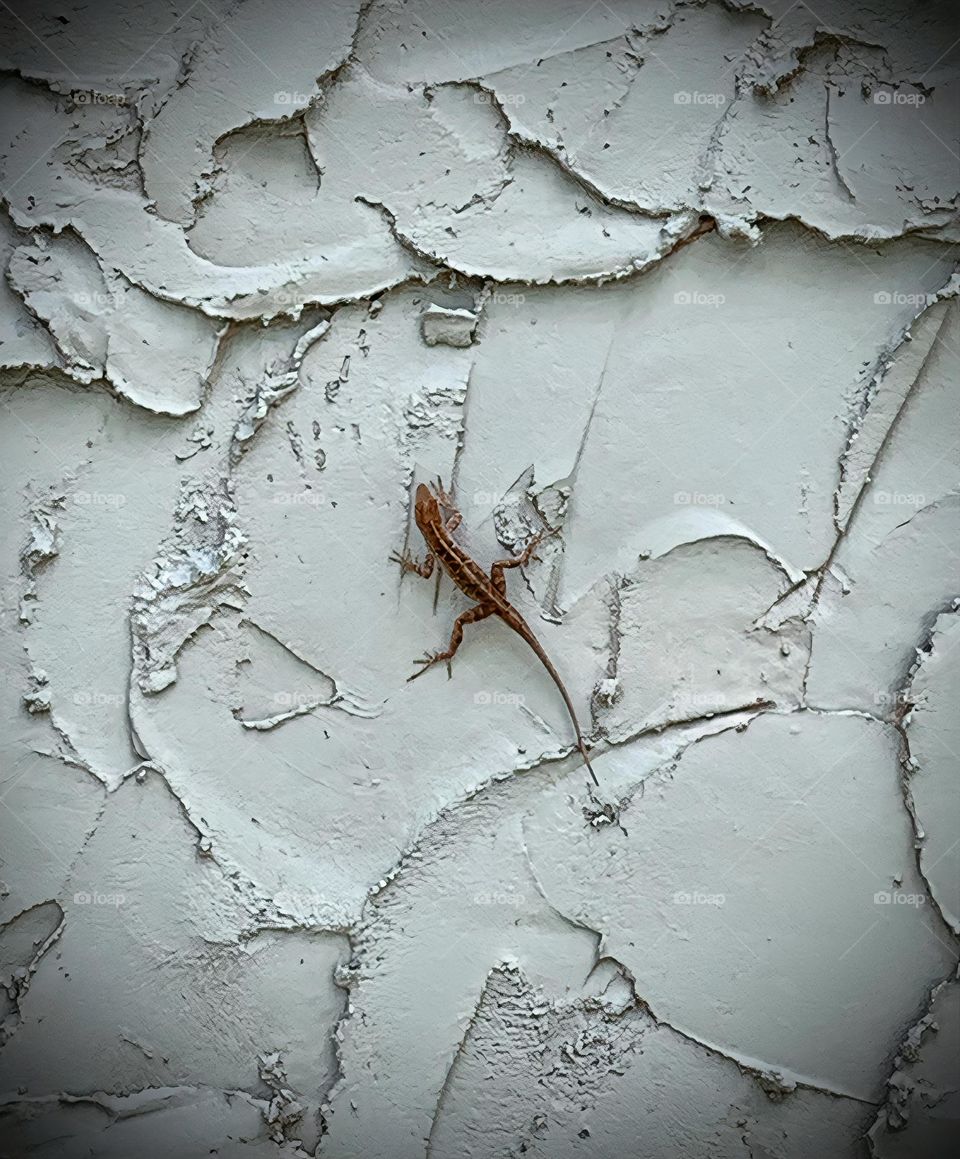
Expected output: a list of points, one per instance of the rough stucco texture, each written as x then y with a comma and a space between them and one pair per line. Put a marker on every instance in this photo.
676, 280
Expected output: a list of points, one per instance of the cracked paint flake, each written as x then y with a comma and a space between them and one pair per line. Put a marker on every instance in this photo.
613, 136
809, 778
921, 1105
931, 729
107, 329
189, 1120
764, 668
253, 71
137, 893
673, 282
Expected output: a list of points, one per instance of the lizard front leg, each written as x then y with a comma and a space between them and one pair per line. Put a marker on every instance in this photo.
471, 616
497, 577
408, 563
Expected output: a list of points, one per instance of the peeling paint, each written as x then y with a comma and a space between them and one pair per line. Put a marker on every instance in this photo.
673, 282
921, 1104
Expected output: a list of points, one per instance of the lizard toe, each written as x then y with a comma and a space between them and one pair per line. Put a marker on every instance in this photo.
426, 661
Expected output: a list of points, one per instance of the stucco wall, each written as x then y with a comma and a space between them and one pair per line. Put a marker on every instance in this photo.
676, 280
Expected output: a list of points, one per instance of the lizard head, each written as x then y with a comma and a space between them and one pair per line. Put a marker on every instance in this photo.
426, 508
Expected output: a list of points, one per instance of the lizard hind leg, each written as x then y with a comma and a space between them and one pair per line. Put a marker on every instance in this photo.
451, 514
471, 616
443, 496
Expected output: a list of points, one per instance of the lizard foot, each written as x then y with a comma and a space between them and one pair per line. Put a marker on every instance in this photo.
530, 551
599, 813
444, 498
406, 560
428, 660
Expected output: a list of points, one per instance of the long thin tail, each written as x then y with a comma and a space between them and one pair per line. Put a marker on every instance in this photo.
527, 633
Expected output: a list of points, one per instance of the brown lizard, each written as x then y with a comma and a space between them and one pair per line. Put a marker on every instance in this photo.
438, 518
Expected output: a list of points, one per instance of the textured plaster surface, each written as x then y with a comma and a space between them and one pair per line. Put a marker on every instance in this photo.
675, 280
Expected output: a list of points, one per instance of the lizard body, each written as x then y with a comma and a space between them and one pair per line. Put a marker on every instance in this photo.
437, 519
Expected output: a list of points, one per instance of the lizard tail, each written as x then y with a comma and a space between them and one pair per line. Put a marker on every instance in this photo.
527, 633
